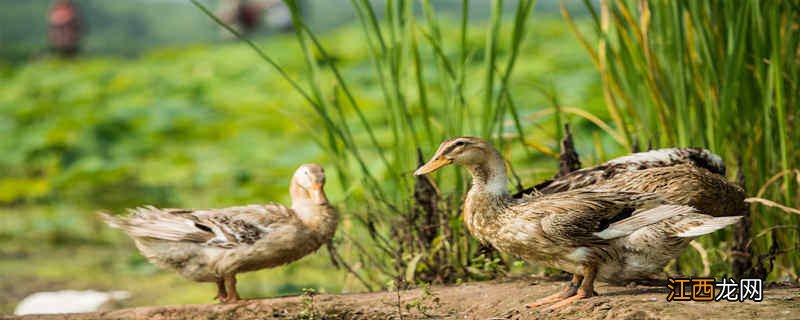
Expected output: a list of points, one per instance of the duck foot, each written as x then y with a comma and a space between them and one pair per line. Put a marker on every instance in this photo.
585, 289
551, 299
221, 293
581, 294
230, 287
569, 290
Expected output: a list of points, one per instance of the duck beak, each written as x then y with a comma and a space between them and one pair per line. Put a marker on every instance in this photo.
318, 194
432, 165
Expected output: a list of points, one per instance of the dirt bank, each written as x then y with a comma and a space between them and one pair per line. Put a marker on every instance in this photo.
481, 300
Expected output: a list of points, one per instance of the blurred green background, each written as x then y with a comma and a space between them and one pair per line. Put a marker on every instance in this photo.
162, 108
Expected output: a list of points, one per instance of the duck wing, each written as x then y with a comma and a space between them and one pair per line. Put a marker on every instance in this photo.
226, 227
701, 158
586, 217
684, 184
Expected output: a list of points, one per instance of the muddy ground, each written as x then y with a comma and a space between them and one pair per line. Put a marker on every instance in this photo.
479, 300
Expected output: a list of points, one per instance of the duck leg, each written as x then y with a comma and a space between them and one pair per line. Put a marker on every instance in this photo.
230, 287
586, 290
222, 294
569, 290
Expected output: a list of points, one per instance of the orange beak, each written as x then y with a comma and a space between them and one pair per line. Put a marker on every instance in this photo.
432, 165
318, 194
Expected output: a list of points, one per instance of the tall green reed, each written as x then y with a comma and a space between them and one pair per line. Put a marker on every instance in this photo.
716, 74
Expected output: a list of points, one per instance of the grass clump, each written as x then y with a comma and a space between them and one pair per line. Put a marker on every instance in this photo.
716, 74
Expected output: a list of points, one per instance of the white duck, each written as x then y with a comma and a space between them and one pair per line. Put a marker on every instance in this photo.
214, 245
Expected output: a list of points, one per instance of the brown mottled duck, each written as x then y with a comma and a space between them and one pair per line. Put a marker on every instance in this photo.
214, 245
686, 176
594, 233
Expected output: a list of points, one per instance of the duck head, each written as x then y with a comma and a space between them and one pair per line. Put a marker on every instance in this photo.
485, 164
464, 151
307, 184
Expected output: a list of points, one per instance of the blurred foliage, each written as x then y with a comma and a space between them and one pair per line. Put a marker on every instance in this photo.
191, 120
132, 27
113, 27
115, 134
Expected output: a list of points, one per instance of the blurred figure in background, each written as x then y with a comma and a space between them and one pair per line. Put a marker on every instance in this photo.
247, 16
280, 18
64, 28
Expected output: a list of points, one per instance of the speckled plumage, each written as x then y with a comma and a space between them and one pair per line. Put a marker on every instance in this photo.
683, 180
214, 245
662, 158
600, 231
686, 184
685, 176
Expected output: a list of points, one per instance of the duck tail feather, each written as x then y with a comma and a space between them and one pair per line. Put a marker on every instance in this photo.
111, 220
708, 226
641, 219
150, 222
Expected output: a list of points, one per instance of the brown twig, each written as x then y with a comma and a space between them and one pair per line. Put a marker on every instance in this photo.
770, 203
568, 160
703, 256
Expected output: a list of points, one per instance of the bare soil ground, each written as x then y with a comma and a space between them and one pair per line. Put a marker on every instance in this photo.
479, 300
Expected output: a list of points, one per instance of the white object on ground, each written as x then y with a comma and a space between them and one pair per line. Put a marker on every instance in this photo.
69, 301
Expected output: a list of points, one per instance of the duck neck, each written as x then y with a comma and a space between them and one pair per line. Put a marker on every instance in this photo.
487, 196
314, 210
489, 178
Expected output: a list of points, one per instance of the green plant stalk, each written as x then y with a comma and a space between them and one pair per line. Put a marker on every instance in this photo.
720, 73
456, 92
422, 90
524, 8
348, 93
512, 108
450, 82
622, 19
490, 53
462, 66
378, 53
313, 75
775, 72
372, 30
610, 85
404, 13
344, 135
